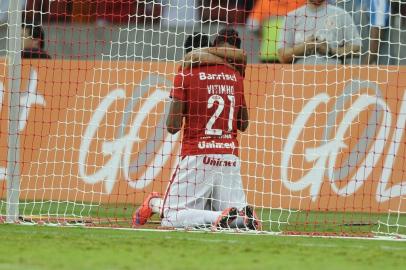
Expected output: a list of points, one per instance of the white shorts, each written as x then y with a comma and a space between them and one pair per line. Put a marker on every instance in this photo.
205, 182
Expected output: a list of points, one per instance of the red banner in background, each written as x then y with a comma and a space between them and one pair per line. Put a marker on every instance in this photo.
323, 138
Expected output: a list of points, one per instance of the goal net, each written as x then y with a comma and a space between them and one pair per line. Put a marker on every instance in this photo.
85, 94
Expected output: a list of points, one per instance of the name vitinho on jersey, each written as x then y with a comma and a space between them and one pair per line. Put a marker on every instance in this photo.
219, 89
217, 76
224, 136
213, 144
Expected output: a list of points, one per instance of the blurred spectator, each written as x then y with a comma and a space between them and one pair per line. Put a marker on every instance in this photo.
246, 5
266, 19
33, 38
264, 9
149, 11
115, 11
398, 7
318, 33
226, 11
376, 14
179, 13
379, 19
48, 10
4, 9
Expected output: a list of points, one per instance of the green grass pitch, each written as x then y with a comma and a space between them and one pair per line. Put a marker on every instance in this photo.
274, 220
76, 248
43, 247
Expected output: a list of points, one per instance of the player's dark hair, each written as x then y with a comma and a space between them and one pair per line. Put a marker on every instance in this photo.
228, 35
197, 40
36, 32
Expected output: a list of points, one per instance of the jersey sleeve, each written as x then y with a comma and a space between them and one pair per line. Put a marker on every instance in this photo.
179, 85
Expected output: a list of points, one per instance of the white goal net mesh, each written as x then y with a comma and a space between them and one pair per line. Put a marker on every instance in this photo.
324, 87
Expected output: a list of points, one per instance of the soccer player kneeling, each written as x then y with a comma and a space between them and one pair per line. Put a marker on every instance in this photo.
206, 187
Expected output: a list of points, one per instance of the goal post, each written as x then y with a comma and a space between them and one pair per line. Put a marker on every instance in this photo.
86, 107
14, 77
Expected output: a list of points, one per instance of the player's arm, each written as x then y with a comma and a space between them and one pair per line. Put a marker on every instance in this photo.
233, 55
287, 54
201, 57
242, 117
175, 117
348, 49
196, 58
177, 107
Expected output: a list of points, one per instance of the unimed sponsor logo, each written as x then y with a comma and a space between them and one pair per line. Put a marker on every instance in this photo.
219, 162
215, 145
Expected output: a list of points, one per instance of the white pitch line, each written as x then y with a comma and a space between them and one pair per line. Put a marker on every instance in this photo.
392, 248
351, 246
243, 234
204, 240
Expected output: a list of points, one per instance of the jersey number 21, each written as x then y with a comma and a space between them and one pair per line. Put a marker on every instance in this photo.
210, 103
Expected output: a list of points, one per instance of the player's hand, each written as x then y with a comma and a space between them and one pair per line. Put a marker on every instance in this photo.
310, 45
334, 51
322, 47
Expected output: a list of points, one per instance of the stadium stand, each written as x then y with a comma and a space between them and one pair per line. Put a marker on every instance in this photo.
92, 42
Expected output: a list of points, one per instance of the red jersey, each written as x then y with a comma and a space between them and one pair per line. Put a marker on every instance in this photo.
213, 96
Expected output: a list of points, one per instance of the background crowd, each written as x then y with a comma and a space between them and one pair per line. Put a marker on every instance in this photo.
155, 29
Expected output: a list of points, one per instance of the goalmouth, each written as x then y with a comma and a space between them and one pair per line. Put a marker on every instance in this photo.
86, 139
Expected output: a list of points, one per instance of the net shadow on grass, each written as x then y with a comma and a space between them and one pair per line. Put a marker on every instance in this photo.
283, 221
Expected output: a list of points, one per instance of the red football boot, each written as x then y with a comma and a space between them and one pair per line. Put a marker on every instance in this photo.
144, 212
226, 218
251, 220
